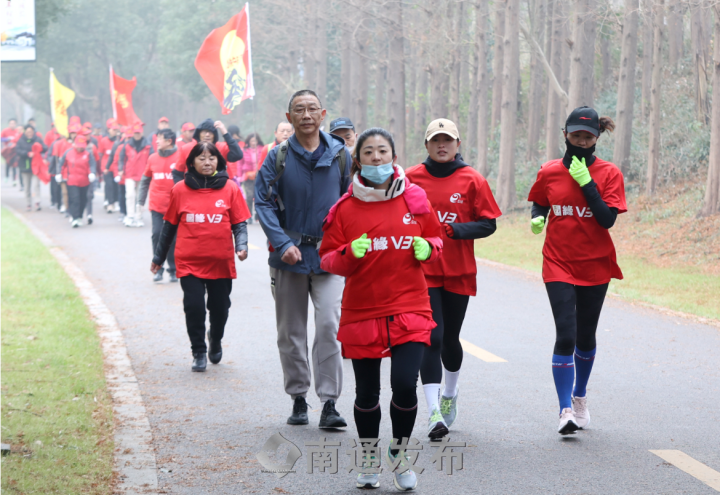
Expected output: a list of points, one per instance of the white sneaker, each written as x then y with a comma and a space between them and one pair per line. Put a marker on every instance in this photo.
568, 423
582, 414
405, 481
128, 221
437, 428
449, 408
138, 223
75, 224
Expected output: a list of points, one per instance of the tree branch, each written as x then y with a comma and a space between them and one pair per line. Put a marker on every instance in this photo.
551, 75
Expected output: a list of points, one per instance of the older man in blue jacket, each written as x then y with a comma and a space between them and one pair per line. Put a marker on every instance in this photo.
291, 203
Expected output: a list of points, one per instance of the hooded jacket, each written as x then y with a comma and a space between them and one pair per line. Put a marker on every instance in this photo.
230, 149
23, 147
133, 158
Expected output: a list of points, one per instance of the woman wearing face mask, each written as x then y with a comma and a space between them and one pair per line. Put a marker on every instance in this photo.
206, 211
378, 236
580, 196
466, 207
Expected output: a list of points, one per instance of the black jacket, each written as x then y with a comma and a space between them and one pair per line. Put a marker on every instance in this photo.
23, 147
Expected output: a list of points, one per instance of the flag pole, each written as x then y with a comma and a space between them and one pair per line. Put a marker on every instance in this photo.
112, 93
52, 96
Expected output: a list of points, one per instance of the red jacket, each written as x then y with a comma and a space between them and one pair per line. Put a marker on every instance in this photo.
135, 161
104, 149
76, 166
159, 169
386, 301
39, 166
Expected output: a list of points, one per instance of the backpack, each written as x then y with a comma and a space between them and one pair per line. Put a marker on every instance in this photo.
280, 169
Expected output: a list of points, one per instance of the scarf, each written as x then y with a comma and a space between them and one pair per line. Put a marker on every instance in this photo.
195, 180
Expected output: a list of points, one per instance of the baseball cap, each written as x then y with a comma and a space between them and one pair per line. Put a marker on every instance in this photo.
74, 128
163, 119
442, 126
341, 123
583, 119
188, 126
137, 127
80, 141
109, 123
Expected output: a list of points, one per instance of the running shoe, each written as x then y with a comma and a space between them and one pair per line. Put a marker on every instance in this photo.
299, 415
582, 414
173, 277
368, 480
199, 361
568, 423
403, 481
158, 277
121, 218
89, 219
436, 425
62, 209
138, 223
75, 224
330, 418
449, 408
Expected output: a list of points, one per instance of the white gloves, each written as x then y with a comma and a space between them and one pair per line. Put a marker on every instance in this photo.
117, 178
91, 177
58, 178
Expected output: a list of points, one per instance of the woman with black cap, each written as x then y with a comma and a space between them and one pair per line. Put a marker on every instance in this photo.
206, 212
580, 196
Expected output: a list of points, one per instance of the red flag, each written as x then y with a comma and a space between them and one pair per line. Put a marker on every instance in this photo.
225, 63
121, 91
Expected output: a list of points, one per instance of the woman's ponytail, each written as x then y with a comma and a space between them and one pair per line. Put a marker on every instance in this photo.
606, 124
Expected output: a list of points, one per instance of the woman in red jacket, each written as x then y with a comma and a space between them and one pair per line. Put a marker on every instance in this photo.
466, 207
206, 211
580, 195
78, 168
378, 235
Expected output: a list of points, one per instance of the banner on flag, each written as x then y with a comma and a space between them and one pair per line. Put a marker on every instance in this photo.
121, 91
60, 99
225, 61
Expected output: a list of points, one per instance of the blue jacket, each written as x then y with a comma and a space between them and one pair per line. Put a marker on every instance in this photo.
307, 193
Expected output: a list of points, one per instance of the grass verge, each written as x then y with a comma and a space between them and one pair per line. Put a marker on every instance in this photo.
690, 288
56, 410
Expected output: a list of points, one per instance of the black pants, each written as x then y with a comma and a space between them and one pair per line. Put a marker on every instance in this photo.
77, 198
90, 197
449, 313
157, 224
218, 304
55, 193
404, 367
576, 310
121, 199
111, 188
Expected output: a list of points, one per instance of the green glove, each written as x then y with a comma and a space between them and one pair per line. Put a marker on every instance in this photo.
579, 171
537, 224
360, 246
422, 249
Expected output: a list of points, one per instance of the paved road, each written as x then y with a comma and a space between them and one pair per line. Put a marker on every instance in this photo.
656, 385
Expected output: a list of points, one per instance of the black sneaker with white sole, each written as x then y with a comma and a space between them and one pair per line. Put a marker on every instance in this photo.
330, 418
299, 415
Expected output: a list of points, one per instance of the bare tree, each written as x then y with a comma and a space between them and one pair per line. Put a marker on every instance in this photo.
553, 117
359, 70
481, 82
397, 80
422, 99
654, 149
711, 204
537, 10
626, 87
508, 118
497, 68
674, 31
321, 49
381, 67
345, 72
454, 12
647, 44
700, 50
411, 69
582, 58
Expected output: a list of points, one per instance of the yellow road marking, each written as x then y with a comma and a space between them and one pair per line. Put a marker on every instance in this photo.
479, 353
252, 246
692, 467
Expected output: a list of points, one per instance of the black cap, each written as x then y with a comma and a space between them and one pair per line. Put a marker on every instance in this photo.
583, 119
341, 123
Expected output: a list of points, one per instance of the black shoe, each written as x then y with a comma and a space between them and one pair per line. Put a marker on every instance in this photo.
299, 415
199, 361
214, 350
173, 277
158, 276
330, 418
89, 219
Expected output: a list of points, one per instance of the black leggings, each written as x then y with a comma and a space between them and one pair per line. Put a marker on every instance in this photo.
576, 310
449, 313
218, 303
404, 366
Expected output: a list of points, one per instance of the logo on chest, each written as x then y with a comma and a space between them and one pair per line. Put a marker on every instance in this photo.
456, 198
203, 218
382, 244
446, 217
409, 219
568, 211
220, 203
162, 175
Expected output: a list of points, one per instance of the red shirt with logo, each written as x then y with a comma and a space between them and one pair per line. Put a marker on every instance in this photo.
462, 197
388, 280
577, 249
159, 169
204, 246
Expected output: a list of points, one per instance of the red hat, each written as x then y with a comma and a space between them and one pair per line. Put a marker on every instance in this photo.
163, 119
86, 131
74, 127
80, 141
137, 127
109, 123
87, 125
188, 126
75, 120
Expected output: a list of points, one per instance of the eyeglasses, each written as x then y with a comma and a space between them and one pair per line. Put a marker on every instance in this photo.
300, 111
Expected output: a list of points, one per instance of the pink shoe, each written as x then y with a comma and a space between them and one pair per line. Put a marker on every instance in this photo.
568, 423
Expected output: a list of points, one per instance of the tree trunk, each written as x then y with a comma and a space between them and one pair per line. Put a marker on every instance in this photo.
482, 82
537, 81
423, 99
655, 110
397, 81
700, 51
438, 106
626, 87
606, 58
454, 12
345, 73
413, 68
321, 50
582, 58
711, 204
673, 21
553, 118
508, 118
497, 68
647, 34
379, 106
360, 80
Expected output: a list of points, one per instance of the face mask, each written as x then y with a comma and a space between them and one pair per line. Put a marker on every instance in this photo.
579, 152
379, 174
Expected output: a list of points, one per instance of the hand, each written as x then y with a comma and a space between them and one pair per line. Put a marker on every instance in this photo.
58, 178
242, 255
117, 178
449, 230
292, 255
579, 171
154, 268
31, 154
91, 177
360, 246
422, 249
220, 127
537, 224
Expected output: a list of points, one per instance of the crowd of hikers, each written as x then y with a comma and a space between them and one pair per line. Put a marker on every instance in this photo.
384, 250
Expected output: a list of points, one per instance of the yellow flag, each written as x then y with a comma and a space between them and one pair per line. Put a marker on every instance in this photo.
60, 99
